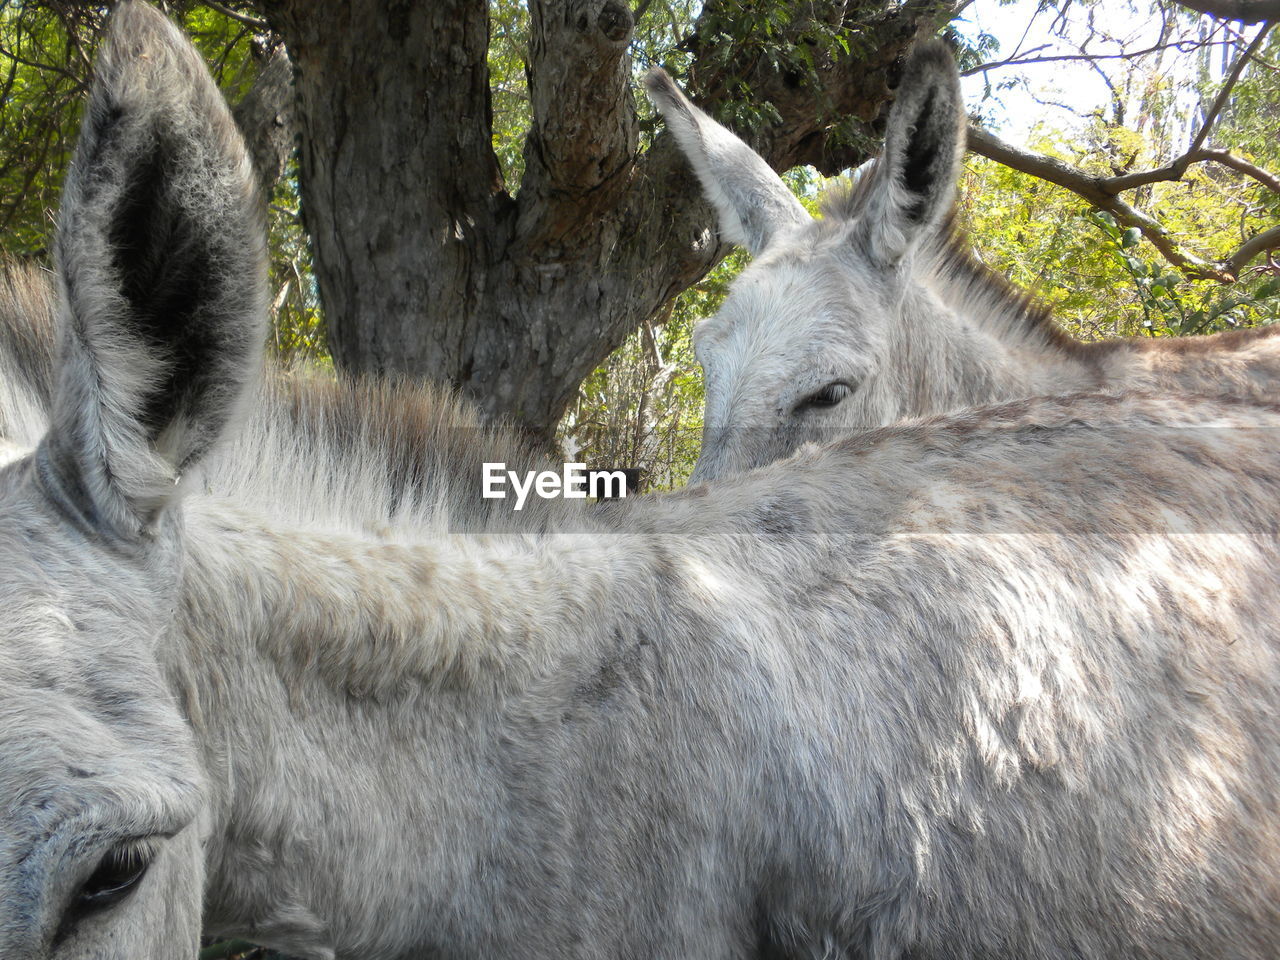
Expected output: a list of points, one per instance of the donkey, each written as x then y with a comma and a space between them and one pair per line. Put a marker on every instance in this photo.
877, 312
254, 679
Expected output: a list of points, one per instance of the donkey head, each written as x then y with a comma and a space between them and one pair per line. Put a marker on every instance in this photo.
807, 342
161, 260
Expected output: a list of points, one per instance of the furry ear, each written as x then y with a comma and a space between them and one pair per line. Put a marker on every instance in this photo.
161, 254
751, 200
923, 146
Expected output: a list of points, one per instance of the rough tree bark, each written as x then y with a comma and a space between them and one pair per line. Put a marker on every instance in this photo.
428, 266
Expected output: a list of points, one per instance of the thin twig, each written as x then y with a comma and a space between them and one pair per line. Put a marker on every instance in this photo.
1220, 101
259, 25
1181, 46
37, 65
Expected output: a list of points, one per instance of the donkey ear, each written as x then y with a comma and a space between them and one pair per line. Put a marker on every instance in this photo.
750, 199
923, 146
161, 256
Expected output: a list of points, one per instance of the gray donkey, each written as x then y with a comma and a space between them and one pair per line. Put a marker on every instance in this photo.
877, 312
997, 686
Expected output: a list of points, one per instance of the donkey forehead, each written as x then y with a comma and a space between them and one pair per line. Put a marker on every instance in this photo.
128, 769
92, 746
83, 651
79, 651
83, 706
785, 329
805, 296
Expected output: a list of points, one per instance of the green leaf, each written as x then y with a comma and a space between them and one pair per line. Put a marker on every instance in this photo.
1268, 289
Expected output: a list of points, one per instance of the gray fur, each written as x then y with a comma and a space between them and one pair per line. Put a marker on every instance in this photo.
880, 298
1000, 685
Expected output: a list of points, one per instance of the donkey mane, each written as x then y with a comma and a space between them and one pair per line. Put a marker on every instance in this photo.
1006, 310
314, 448
364, 455
1018, 311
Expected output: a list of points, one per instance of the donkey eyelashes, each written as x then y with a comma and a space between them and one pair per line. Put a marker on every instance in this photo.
118, 874
830, 395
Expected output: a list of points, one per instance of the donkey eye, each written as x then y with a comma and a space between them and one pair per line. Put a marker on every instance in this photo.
828, 396
118, 873
116, 876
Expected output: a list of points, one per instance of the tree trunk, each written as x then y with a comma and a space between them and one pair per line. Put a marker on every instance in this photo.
427, 266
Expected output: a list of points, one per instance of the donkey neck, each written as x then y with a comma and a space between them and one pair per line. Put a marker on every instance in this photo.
356, 683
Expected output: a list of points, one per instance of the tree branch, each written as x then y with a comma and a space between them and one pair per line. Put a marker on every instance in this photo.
1228, 159
1103, 192
1251, 248
261, 26
1178, 168
1221, 99
1181, 46
584, 131
1099, 192
1246, 11
1237, 34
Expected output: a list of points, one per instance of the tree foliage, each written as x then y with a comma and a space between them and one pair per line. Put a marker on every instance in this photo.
1101, 269
45, 56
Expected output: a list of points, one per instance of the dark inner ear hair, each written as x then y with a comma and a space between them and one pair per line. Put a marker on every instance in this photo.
161, 262
918, 172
